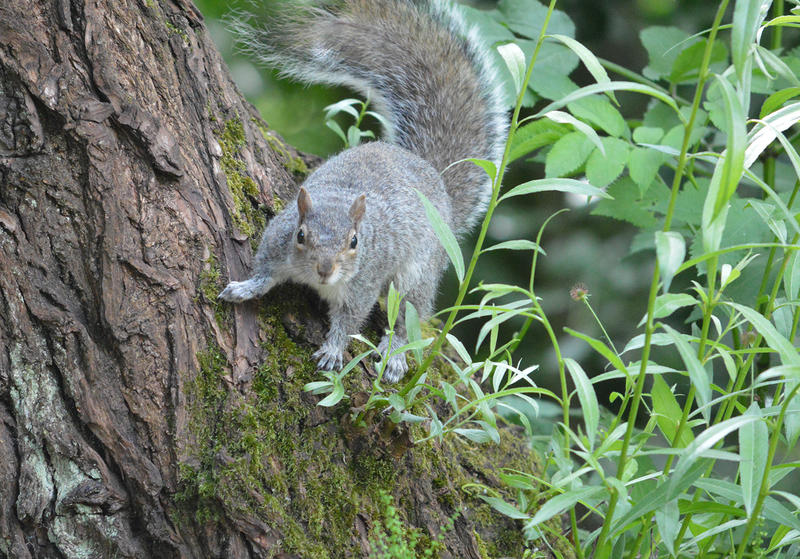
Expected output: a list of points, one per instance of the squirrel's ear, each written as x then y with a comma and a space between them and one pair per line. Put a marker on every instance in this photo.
358, 208
303, 203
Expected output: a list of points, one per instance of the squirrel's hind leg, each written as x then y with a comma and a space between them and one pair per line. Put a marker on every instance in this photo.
238, 291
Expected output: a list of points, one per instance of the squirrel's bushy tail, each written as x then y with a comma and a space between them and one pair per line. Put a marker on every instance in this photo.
420, 66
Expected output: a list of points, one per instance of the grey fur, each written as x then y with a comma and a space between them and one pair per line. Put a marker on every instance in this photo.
440, 98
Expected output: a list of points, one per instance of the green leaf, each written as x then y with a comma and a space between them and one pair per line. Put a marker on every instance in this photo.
587, 57
580, 126
526, 17
789, 354
335, 396
626, 205
567, 155
774, 101
753, 449
532, 136
445, 236
687, 66
703, 443
516, 244
599, 111
561, 503
668, 303
392, 305
643, 165
648, 134
413, 329
560, 185
661, 45
601, 348
765, 133
668, 413
505, 508
475, 435
612, 86
602, 169
733, 159
697, 373
747, 17
515, 61
590, 410
489, 167
670, 251
791, 275
668, 522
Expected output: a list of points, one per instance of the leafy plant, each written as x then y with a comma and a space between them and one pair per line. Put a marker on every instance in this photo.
709, 174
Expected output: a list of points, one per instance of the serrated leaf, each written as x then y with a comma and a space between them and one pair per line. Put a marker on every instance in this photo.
567, 155
600, 112
539, 133
687, 65
601, 169
670, 251
626, 205
643, 165
580, 126
445, 236
660, 43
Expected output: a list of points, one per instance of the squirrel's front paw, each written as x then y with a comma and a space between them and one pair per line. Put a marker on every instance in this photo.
328, 358
237, 291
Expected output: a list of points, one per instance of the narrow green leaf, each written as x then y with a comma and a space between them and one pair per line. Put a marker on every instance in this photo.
392, 305
668, 413
733, 159
791, 275
612, 86
588, 399
504, 508
697, 373
445, 236
668, 522
753, 447
515, 61
763, 134
704, 441
565, 118
413, 330
562, 185
475, 435
670, 251
516, 244
561, 503
774, 101
335, 396
788, 352
600, 348
747, 17
588, 58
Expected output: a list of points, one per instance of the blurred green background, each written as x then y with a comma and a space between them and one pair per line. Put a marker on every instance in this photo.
580, 247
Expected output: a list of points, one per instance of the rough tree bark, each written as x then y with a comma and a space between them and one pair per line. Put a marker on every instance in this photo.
138, 417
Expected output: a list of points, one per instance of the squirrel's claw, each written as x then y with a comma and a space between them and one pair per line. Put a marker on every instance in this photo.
328, 359
396, 368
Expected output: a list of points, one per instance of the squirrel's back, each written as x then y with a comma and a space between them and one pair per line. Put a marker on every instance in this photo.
424, 70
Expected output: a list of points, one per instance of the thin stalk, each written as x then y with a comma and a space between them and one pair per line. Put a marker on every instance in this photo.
601, 550
764, 491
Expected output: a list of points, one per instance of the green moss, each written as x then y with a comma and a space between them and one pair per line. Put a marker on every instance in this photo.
210, 286
177, 31
293, 164
247, 216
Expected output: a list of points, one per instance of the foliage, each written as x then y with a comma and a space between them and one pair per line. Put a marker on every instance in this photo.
709, 175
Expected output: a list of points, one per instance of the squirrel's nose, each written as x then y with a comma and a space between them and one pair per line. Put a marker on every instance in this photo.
325, 267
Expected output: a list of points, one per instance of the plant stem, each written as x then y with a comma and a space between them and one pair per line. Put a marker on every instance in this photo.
602, 551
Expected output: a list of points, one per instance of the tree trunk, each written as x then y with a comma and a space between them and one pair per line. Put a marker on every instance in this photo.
138, 416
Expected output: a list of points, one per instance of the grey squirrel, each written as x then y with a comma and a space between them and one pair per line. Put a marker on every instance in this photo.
358, 223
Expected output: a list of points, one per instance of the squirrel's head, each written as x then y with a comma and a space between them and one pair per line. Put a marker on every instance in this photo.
326, 241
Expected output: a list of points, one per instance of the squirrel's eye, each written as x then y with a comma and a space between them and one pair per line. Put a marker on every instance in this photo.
301, 237
353, 242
